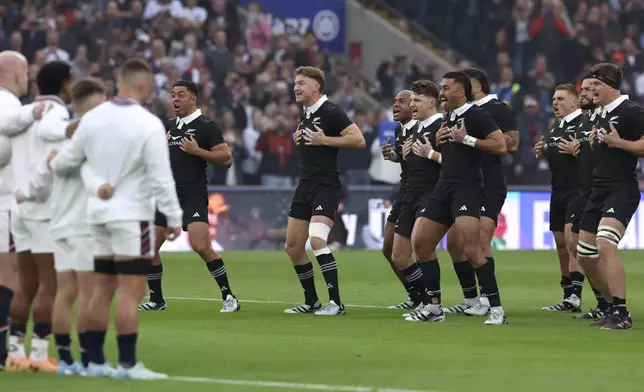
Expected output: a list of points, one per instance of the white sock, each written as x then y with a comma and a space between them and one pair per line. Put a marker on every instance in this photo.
39, 349
499, 308
471, 301
434, 308
16, 347
485, 301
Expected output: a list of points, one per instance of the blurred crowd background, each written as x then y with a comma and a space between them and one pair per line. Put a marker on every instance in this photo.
245, 71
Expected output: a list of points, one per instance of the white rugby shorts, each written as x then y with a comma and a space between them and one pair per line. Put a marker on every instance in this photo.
6, 238
31, 235
74, 254
124, 238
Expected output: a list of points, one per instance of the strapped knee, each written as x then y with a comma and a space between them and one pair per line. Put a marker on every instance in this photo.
609, 234
320, 231
587, 250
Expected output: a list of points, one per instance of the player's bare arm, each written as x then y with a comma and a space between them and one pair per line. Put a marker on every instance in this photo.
512, 140
350, 137
218, 155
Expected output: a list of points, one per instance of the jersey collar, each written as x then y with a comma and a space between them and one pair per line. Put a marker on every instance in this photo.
188, 119
611, 106
460, 111
314, 108
570, 117
485, 99
409, 124
54, 98
430, 120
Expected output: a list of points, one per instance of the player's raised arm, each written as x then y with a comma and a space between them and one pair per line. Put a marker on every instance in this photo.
157, 161
72, 155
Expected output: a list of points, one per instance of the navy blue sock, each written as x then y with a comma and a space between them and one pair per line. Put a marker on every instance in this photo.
82, 341
42, 331
6, 295
127, 349
63, 343
95, 343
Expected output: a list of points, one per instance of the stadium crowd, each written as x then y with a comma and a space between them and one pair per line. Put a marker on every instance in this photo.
245, 73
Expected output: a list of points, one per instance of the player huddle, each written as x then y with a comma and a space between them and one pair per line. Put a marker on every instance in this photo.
87, 203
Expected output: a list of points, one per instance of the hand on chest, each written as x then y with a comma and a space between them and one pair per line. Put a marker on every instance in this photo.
175, 135
562, 132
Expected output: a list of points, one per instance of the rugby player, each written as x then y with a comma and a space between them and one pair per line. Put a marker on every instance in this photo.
193, 141
403, 114
324, 128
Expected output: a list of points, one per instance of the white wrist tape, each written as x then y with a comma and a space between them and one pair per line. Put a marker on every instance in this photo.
469, 140
440, 158
429, 155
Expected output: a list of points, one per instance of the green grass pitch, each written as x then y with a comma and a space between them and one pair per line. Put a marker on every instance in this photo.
371, 348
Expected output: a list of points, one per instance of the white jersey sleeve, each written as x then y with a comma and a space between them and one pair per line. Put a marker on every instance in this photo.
40, 184
157, 161
5, 152
91, 181
53, 126
72, 155
16, 121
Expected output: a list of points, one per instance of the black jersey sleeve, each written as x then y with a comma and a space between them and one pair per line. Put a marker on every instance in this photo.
480, 125
213, 135
504, 118
339, 121
637, 122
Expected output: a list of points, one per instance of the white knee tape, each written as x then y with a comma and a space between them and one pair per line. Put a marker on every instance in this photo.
319, 230
587, 250
609, 234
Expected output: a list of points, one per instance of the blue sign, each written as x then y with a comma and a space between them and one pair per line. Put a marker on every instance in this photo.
387, 130
326, 18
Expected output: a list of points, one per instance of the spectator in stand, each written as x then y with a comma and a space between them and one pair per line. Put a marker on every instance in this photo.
532, 125
278, 164
539, 81
259, 32
507, 90
354, 164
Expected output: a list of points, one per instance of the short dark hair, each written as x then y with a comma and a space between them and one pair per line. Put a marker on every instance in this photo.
480, 76
314, 73
608, 71
52, 77
190, 86
569, 87
425, 87
134, 65
86, 87
462, 79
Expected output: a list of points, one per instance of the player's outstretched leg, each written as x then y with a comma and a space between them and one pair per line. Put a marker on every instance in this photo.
296, 237
155, 276
387, 248
199, 235
319, 230
464, 272
25, 291
42, 313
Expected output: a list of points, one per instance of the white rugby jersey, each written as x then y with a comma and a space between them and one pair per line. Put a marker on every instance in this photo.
10, 110
69, 193
126, 146
28, 161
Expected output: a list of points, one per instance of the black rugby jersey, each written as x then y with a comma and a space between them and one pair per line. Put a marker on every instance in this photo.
401, 135
321, 162
564, 167
422, 173
613, 165
190, 170
461, 163
584, 158
492, 165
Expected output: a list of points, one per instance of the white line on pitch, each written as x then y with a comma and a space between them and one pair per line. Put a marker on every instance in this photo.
288, 385
252, 301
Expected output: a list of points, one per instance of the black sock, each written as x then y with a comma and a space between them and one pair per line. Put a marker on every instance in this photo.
6, 295
620, 305
414, 276
127, 349
217, 269
154, 284
566, 285
412, 293
577, 282
305, 274
63, 343
467, 278
432, 278
489, 287
19, 330
601, 301
42, 330
492, 263
82, 342
329, 269
95, 343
